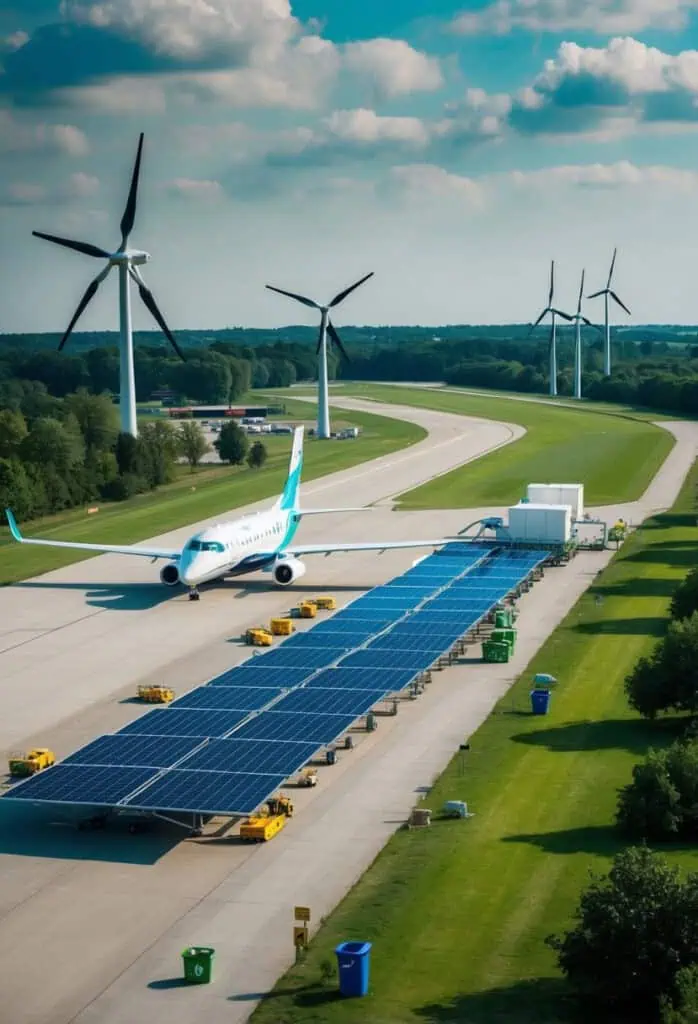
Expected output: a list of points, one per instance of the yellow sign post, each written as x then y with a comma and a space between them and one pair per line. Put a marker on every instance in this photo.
302, 913
300, 935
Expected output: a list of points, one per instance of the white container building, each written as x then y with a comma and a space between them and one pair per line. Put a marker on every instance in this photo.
531, 522
558, 494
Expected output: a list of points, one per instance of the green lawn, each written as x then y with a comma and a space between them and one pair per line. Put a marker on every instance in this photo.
615, 455
211, 491
458, 914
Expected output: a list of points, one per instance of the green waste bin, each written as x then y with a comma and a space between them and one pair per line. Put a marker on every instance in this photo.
198, 964
502, 619
496, 652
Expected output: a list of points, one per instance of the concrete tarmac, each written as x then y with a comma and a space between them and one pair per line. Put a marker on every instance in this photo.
92, 925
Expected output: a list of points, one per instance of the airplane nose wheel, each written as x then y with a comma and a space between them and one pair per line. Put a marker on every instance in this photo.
194, 594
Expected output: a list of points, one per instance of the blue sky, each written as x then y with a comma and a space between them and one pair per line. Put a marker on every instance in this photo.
453, 148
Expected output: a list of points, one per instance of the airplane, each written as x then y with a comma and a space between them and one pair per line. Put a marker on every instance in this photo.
253, 542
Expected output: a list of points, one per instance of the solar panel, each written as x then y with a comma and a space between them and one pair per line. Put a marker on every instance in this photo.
308, 658
254, 756
409, 643
415, 661
390, 679
312, 639
310, 728
185, 722
350, 625
81, 784
179, 791
264, 675
142, 751
240, 698
331, 701
373, 615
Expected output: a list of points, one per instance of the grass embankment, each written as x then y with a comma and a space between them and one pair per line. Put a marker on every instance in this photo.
458, 913
212, 490
615, 455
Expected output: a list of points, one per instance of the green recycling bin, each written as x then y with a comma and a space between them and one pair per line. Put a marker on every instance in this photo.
198, 964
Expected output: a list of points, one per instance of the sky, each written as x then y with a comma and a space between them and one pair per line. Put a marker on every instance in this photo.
453, 147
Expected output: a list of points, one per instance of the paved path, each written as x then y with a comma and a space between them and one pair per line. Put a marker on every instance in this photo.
115, 911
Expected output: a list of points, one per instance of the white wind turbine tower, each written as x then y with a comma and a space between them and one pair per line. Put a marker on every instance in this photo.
128, 261
554, 314
608, 293
326, 328
578, 319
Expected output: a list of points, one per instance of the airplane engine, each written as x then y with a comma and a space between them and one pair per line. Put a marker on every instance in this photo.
287, 570
169, 575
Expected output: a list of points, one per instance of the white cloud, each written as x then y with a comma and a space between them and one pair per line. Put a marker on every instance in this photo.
75, 187
421, 180
622, 174
142, 94
8, 44
393, 66
364, 126
19, 136
199, 189
605, 17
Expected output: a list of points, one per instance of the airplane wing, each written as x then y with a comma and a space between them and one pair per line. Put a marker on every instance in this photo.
386, 545
115, 549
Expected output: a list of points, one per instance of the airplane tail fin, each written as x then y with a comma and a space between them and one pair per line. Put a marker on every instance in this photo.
290, 497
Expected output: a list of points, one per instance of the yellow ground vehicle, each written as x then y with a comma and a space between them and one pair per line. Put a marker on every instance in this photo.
156, 694
32, 762
308, 777
281, 627
307, 609
269, 819
325, 604
258, 636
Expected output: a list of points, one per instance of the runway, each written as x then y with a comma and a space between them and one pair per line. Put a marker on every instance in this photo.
113, 912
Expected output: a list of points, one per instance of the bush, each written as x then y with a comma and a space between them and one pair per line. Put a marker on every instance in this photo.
231, 444
257, 456
124, 487
668, 680
650, 806
683, 1008
685, 600
636, 928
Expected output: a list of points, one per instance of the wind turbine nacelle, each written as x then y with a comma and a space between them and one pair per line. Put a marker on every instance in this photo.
287, 570
132, 257
169, 575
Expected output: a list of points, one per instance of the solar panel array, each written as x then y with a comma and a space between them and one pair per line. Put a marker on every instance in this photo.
224, 747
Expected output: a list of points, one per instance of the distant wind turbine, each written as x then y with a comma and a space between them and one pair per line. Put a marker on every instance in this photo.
554, 313
128, 261
578, 319
326, 328
608, 293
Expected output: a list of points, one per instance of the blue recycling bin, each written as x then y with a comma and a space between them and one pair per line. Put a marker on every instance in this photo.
540, 701
353, 961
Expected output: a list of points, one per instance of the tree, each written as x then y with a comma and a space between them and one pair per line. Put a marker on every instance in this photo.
126, 453
683, 1007
231, 444
662, 800
685, 600
15, 488
192, 443
13, 430
668, 679
260, 374
50, 442
97, 417
257, 455
282, 373
158, 448
635, 929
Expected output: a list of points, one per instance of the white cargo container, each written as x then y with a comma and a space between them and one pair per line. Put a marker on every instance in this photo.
559, 494
540, 523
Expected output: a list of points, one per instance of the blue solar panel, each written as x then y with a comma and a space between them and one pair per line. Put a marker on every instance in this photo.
275, 725
373, 615
408, 643
185, 722
308, 658
254, 756
270, 676
142, 751
441, 634
391, 679
240, 698
179, 791
331, 701
81, 784
415, 661
313, 639
350, 625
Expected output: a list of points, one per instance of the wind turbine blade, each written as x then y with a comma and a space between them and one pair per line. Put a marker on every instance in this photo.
341, 296
84, 303
292, 295
596, 294
337, 340
84, 247
613, 263
151, 305
589, 324
540, 318
620, 303
129, 216
565, 316
319, 341
552, 282
581, 293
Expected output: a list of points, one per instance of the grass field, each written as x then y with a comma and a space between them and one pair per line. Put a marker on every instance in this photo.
560, 444
458, 913
213, 490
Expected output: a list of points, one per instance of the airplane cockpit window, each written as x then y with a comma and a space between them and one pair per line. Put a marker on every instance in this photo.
205, 545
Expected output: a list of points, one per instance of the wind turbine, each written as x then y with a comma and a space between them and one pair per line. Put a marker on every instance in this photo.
128, 261
578, 319
326, 328
608, 293
554, 313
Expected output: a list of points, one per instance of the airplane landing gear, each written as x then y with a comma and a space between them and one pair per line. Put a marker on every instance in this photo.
194, 594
